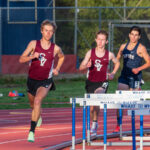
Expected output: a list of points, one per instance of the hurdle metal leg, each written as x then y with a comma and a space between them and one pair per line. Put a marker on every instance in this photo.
105, 126
88, 124
120, 122
141, 132
73, 122
133, 130
84, 124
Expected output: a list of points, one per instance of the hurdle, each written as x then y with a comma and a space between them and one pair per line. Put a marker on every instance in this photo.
146, 95
135, 98
110, 101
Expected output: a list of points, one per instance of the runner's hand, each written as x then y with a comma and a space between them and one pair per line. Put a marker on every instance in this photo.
111, 76
55, 72
36, 55
89, 64
135, 70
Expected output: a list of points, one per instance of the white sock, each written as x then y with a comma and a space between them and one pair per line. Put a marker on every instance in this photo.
94, 124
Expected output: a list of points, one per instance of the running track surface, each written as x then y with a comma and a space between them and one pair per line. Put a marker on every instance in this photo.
55, 130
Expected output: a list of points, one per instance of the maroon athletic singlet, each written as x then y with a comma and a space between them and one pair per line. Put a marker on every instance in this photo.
98, 71
41, 68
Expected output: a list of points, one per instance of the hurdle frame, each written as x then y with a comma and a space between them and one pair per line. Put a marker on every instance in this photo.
88, 138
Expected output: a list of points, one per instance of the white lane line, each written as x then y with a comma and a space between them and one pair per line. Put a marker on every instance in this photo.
3, 121
12, 141
52, 129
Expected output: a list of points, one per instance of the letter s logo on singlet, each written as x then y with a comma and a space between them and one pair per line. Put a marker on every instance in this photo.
98, 64
42, 59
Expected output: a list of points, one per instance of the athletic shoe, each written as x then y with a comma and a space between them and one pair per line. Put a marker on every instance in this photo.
31, 137
117, 129
94, 127
39, 122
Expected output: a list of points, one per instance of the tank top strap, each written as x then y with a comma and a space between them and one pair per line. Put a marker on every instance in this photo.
126, 45
37, 45
135, 48
92, 52
38, 42
106, 53
52, 46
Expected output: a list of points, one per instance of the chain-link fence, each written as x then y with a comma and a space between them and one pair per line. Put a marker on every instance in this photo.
19, 25
77, 26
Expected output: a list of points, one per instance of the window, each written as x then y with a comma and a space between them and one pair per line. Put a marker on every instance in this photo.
22, 11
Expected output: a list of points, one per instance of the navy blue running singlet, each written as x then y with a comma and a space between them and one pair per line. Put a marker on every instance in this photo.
131, 60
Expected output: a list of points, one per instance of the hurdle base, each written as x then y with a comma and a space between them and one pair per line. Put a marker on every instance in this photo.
118, 143
100, 137
128, 138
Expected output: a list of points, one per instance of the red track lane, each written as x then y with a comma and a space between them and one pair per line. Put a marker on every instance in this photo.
56, 128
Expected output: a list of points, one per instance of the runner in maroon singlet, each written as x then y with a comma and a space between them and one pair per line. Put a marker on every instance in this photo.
97, 61
41, 56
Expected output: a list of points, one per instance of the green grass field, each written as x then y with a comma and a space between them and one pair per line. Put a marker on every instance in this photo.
60, 98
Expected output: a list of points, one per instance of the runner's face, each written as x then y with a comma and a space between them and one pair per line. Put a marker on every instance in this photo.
101, 40
47, 32
134, 36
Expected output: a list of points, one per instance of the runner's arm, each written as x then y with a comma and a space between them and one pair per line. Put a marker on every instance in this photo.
29, 54
143, 53
115, 62
86, 63
119, 55
61, 57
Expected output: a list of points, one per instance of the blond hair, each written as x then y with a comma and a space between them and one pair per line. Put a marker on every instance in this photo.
48, 22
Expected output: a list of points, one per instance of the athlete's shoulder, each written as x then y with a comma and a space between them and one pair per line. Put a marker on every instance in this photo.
57, 50
56, 46
111, 55
89, 52
141, 46
33, 42
123, 46
141, 49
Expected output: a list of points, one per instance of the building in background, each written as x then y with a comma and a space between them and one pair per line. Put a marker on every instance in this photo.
20, 23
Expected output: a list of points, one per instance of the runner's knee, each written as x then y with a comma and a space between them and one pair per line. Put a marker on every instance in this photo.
37, 102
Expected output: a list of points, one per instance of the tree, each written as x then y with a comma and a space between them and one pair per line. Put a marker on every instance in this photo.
90, 19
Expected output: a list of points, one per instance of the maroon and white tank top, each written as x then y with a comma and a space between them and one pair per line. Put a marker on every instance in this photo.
98, 71
41, 69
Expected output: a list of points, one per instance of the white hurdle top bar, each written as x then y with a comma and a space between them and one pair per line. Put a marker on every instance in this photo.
132, 92
119, 105
144, 94
121, 99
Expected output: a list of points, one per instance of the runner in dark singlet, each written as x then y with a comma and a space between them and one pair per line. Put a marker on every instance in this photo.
131, 60
133, 54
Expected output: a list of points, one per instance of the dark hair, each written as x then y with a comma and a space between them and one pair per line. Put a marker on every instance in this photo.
135, 28
48, 22
102, 32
